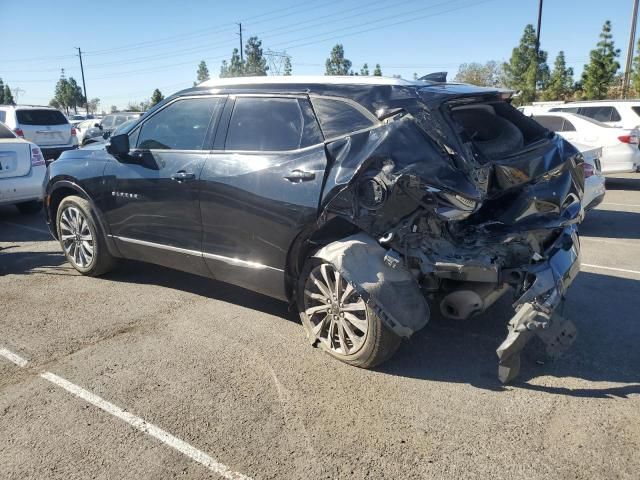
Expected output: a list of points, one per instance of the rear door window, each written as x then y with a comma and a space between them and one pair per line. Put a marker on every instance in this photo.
636, 110
601, 114
3, 116
567, 126
181, 125
550, 122
40, 117
338, 118
272, 124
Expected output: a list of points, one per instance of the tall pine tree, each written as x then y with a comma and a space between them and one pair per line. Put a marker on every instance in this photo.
560, 86
635, 73
336, 64
156, 97
600, 72
256, 64
377, 72
202, 74
287, 66
526, 71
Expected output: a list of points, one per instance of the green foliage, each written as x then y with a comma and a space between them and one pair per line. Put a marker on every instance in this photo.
256, 64
599, 73
635, 73
68, 94
377, 72
8, 96
364, 70
287, 66
236, 67
336, 64
113, 109
487, 75
560, 86
1, 92
156, 97
202, 75
526, 71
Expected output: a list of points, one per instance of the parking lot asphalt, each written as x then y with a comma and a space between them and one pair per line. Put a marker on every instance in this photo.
170, 375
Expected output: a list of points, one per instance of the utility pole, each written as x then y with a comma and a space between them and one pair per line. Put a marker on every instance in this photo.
84, 86
535, 84
241, 47
16, 92
632, 41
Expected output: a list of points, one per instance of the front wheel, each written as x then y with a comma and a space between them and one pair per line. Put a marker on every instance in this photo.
338, 320
81, 241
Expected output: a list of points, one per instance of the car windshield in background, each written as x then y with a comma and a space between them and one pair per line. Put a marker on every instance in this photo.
124, 127
40, 117
5, 132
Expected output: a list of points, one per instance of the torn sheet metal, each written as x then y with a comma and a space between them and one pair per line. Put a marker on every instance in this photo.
447, 213
392, 292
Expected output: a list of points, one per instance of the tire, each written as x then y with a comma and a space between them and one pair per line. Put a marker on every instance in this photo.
29, 208
80, 238
359, 336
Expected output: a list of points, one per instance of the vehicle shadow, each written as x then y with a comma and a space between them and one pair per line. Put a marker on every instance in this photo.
602, 306
16, 227
26, 263
148, 274
611, 224
631, 182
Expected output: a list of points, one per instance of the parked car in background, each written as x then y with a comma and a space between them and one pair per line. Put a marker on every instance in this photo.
594, 181
615, 113
112, 121
22, 172
87, 130
45, 126
620, 153
365, 202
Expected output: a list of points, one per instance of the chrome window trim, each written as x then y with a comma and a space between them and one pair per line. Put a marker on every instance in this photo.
212, 256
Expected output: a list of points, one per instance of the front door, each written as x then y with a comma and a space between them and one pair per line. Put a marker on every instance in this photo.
153, 210
260, 189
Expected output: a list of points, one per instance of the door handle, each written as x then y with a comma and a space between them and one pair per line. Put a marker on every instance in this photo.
183, 176
297, 176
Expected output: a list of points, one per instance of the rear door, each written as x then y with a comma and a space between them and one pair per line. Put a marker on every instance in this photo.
15, 156
44, 127
153, 207
259, 188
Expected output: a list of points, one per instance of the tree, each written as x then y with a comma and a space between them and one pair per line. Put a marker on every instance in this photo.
113, 109
8, 96
526, 71
635, 72
364, 70
236, 66
202, 74
256, 64
377, 72
62, 94
560, 86
93, 105
287, 66
224, 69
156, 97
1, 92
487, 75
600, 72
336, 64
76, 97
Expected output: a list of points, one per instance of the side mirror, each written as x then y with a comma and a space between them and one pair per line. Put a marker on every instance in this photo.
119, 145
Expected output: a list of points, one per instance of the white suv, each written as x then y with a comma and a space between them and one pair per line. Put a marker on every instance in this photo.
45, 126
615, 113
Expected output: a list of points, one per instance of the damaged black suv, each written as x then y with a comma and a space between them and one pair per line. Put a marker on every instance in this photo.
365, 202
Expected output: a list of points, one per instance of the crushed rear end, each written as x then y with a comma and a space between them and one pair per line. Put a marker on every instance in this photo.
460, 199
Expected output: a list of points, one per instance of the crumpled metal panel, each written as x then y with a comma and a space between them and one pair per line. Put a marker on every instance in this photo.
392, 292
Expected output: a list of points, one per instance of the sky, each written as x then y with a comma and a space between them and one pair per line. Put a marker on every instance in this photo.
132, 47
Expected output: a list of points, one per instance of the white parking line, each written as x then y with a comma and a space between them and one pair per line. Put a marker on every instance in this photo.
26, 227
136, 422
611, 240
13, 357
145, 427
637, 272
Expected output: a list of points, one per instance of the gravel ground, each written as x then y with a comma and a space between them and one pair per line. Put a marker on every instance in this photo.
230, 372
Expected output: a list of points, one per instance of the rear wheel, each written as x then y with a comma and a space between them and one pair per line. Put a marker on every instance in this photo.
338, 320
29, 208
82, 242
